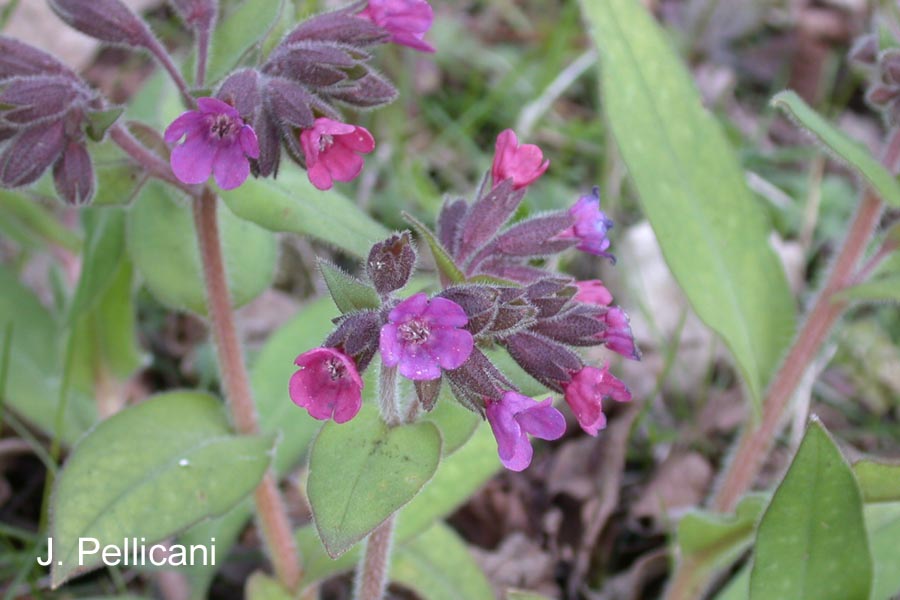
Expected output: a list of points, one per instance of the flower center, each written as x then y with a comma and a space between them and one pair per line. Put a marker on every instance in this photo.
415, 331
335, 368
224, 126
325, 142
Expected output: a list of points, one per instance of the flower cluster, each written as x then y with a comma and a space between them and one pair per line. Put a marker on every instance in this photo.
495, 295
290, 100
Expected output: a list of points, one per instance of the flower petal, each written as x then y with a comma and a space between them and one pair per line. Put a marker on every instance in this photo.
418, 364
450, 347
249, 143
192, 162
445, 313
231, 167
543, 421
182, 125
389, 345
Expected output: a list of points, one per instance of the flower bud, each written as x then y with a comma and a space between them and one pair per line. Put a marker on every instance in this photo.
30, 153
317, 64
476, 380
549, 362
368, 91
537, 236
196, 14
480, 303
241, 90
289, 103
864, 50
73, 174
357, 336
27, 100
391, 263
550, 295
449, 224
106, 20
19, 59
427, 392
339, 27
487, 215
579, 326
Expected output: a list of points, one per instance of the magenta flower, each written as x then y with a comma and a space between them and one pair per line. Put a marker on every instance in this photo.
523, 164
591, 225
618, 336
585, 393
592, 291
423, 336
333, 151
218, 141
513, 417
406, 20
327, 385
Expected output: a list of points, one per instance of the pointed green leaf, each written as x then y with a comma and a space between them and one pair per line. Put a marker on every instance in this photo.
885, 289
103, 254
100, 121
151, 471
811, 543
163, 246
363, 471
712, 232
850, 151
878, 481
291, 203
883, 524
437, 565
349, 293
445, 264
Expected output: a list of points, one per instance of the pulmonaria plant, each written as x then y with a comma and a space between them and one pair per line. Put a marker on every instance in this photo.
498, 293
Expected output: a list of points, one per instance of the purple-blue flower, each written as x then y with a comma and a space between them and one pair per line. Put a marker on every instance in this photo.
513, 417
591, 225
423, 336
218, 141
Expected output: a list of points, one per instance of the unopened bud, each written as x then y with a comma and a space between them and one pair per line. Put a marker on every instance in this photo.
27, 100
28, 155
368, 91
19, 59
73, 174
427, 392
357, 336
391, 263
865, 50
106, 20
339, 27
549, 362
196, 14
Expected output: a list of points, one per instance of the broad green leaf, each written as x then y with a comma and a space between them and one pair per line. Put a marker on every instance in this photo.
118, 179
163, 246
437, 565
712, 233
260, 586
523, 595
349, 293
811, 543
35, 365
149, 472
19, 211
883, 524
739, 586
845, 148
457, 478
103, 255
878, 482
457, 423
290, 203
445, 265
885, 289
363, 471
238, 33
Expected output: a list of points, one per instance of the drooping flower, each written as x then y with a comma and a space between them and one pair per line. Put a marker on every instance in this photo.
591, 225
521, 163
586, 391
423, 336
327, 385
333, 151
513, 417
406, 20
618, 336
592, 291
218, 142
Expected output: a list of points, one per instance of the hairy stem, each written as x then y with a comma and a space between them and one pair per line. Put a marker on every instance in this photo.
757, 439
153, 164
271, 511
372, 574
202, 55
387, 395
165, 59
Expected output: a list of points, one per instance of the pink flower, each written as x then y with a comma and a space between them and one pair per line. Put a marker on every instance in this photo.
618, 336
333, 151
585, 393
327, 385
513, 417
423, 336
591, 225
406, 20
218, 141
592, 291
523, 164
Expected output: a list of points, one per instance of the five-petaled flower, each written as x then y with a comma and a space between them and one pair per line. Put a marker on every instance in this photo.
591, 225
523, 164
586, 391
218, 141
406, 20
513, 417
333, 151
327, 385
423, 336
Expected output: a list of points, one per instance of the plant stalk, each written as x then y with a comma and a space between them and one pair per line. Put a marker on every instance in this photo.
372, 574
272, 514
165, 59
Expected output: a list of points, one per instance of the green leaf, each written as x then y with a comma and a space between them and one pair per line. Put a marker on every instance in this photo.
103, 256
118, 178
442, 260
812, 543
98, 122
878, 482
361, 472
523, 595
844, 147
21, 212
290, 203
262, 587
163, 246
238, 33
712, 233
739, 586
150, 471
885, 289
349, 293
437, 565
883, 524
457, 478
457, 424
